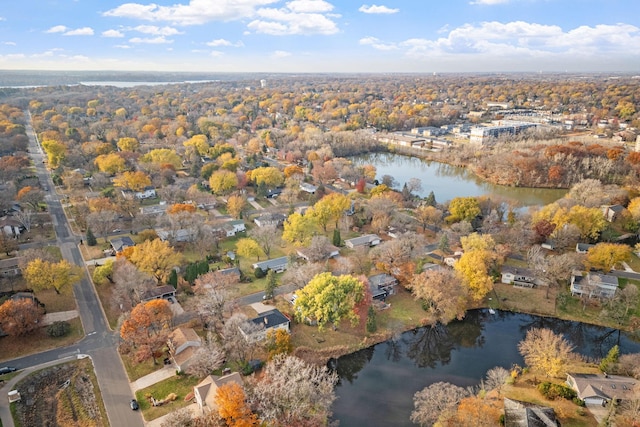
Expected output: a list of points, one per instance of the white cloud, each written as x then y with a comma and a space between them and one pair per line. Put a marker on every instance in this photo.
2, 18
10, 43
195, 12
376, 44
216, 53
112, 33
223, 42
309, 6
281, 54
84, 31
280, 22
148, 40
57, 29
378, 9
157, 31
122, 46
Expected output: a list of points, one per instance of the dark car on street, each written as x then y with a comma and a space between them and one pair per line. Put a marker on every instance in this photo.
7, 370
134, 404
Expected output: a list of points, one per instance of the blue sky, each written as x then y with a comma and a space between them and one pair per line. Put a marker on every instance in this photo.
321, 35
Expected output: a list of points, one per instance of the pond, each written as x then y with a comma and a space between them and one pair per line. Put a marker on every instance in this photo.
448, 182
377, 384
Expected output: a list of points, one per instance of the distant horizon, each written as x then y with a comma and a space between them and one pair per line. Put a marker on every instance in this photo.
322, 36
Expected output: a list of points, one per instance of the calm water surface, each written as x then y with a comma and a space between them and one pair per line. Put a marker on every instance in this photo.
448, 182
377, 384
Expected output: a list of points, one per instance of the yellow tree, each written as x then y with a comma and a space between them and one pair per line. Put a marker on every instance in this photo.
604, 256
299, 229
590, 221
291, 170
110, 163
198, 143
426, 215
135, 181
476, 241
545, 352
56, 152
473, 266
128, 144
330, 208
634, 208
269, 176
59, 276
161, 156
248, 248
278, 342
235, 205
223, 182
233, 407
463, 209
154, 257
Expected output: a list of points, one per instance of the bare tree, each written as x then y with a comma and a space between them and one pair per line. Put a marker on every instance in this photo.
129, 284
496, 378
31, 254
444, 295
294, 393
24, 217
319, 248
438, 399
267, 237
237, 332
300, 274
629, 364
101, 223
207, 358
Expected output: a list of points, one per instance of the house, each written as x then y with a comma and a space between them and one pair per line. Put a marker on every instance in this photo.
522, 277
145, 193
183, 344
11, 226
234, 227
178, 236
276, 264
329, 251
267, 219
165, 291
121, 243
451, 260
583, 248
10, 267
273, 193
525, 414
367, 240
308, 188
612, 212
154, 209
382, 285
600, 389
206, 390
268, 321
594, 284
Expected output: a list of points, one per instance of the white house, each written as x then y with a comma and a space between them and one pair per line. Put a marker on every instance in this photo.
231, 228
366, 240
308, 188
593, 284
146, 193
276, 264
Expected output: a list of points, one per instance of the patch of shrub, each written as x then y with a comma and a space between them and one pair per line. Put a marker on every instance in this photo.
58, 329
259, 273
553, 391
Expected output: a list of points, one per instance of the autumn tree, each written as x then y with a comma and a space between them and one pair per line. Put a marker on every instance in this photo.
299, 229
480, 411
146, 328
604, 256
268, 176
128, 144
436, 400
31, 196
161, 156
207, 358
266, 237
235, 205
154, 257
248, 248
104, 273
235, 342
545, 351
329, 299
473, 267
293, 392
463, 209
134, 181
56, 152
590, 221
20, 317
101, 223
176, 208
7, 243
278, 342
223, 182
59, 276
111, 163
329, 209
428, 215
443, 295
232, 406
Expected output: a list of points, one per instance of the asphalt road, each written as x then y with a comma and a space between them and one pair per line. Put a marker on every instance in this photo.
99, 342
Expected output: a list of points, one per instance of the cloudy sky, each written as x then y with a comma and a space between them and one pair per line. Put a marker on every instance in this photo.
321, 35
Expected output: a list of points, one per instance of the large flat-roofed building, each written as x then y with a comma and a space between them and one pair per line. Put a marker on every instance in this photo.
481, 134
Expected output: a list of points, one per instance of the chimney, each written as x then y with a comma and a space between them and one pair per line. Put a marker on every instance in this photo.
266, 320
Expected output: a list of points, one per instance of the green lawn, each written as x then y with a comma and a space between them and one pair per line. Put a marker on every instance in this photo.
137, 370
180, 385
404, 313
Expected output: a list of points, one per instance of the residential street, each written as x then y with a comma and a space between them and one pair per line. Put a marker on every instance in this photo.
100, 342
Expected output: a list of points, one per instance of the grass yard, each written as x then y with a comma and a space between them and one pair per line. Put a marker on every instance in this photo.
405, 313
39, 341
534, 301
180, 385
137, 370
54, 302
105, 291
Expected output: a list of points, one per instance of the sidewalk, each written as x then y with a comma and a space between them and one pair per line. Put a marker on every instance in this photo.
59, 316
162, 374
99, 261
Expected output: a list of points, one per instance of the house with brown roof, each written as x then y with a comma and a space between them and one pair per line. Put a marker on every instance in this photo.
165, 291
183, 344
600, 389
205, 391
525, 414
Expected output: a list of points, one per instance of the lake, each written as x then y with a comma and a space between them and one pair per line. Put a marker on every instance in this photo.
448, 182
377, 384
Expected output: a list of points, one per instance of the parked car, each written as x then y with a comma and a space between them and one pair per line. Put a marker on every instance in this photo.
7, 370
134, 404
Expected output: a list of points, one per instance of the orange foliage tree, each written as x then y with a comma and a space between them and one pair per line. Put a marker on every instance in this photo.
19, 317
181, 207
233, 408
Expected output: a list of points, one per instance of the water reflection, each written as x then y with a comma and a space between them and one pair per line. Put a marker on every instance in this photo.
377, 384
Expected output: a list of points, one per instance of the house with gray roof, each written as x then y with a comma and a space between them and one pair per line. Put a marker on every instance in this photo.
276, 264
268, 321
525, 414
120, 243
367, 240
600, 389
594, 285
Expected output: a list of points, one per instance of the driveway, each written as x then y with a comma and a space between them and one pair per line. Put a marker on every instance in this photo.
155, 377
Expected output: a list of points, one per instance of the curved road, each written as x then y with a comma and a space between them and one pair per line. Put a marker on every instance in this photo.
100, 342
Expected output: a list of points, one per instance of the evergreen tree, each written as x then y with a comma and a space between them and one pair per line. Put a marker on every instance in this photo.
609, 362
91, 238
372, 324
173, 278
271, 284
430, 199
443, 245
336, 237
